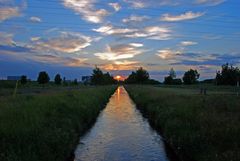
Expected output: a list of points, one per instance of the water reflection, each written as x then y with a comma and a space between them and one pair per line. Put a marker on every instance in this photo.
120, 134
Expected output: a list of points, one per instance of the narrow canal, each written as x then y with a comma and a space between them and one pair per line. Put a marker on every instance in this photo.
121, 134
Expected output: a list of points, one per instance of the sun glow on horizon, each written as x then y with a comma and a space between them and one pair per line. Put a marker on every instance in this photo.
119, 78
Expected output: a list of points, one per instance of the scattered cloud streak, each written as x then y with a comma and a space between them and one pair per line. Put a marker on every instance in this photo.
188, 43
8, 9
134, 19
87, 10
9, 12
115, 6
119, 52
6, 39
151, 32
68, 42
182, 17
209, 2
121, 65
35, 19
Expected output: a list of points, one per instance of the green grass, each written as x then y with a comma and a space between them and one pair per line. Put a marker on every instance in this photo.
7, 88
199, 128
47, 126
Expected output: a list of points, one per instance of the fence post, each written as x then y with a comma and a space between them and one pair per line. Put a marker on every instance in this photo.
238, 88
15, 90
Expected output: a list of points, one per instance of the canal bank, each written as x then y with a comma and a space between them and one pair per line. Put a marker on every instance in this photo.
198, 127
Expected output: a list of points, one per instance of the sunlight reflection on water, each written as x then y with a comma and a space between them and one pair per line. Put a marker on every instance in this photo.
120, 134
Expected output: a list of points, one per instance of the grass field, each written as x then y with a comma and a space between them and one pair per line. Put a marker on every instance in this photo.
197, 127
47, 126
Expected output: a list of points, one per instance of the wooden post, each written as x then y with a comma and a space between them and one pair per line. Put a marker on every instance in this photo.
15, 90
238, 87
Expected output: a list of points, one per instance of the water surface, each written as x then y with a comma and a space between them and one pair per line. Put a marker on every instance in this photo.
121, 134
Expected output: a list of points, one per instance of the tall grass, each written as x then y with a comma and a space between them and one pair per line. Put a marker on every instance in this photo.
199, 128
47, 127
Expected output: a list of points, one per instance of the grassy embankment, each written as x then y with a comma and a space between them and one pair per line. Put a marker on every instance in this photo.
199, 128
47, 126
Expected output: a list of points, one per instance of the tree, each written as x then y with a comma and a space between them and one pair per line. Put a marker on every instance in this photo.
177, 81
75, 81
43, 78
108, 79
168, 80
97, 76
23, 79
171, 78
141, 75
229, 75
191, 76
131, 78
172, 73
58, 79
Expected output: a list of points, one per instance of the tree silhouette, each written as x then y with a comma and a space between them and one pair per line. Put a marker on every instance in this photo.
191, 76
58, 79
171, 78
97, 76
140, 76
172, 73
43, 78
108, 79
75, 82
168, 80
229, 75
23, 79
100, 78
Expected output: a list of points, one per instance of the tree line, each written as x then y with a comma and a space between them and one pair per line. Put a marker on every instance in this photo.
228, 75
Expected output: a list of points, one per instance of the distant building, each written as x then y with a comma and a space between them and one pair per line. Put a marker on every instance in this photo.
86, 79
13, 78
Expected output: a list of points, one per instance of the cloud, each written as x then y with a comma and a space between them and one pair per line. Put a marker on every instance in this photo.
35, 19
66, 42
119, 52
110, 30
121, 65
6, 39
209, 2
136, 3
75, 62
66, 61
182, 17
137, 45
188, 43
205, 59
167, 53
9, 12
134, 18
86, 9
35, 38
151, 32
115, 6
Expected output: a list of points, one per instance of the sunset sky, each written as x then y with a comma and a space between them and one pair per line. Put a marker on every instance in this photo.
71, 37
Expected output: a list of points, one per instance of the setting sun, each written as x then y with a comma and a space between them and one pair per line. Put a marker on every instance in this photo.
119, 78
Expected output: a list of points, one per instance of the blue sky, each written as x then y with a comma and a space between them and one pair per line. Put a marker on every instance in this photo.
71, 37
